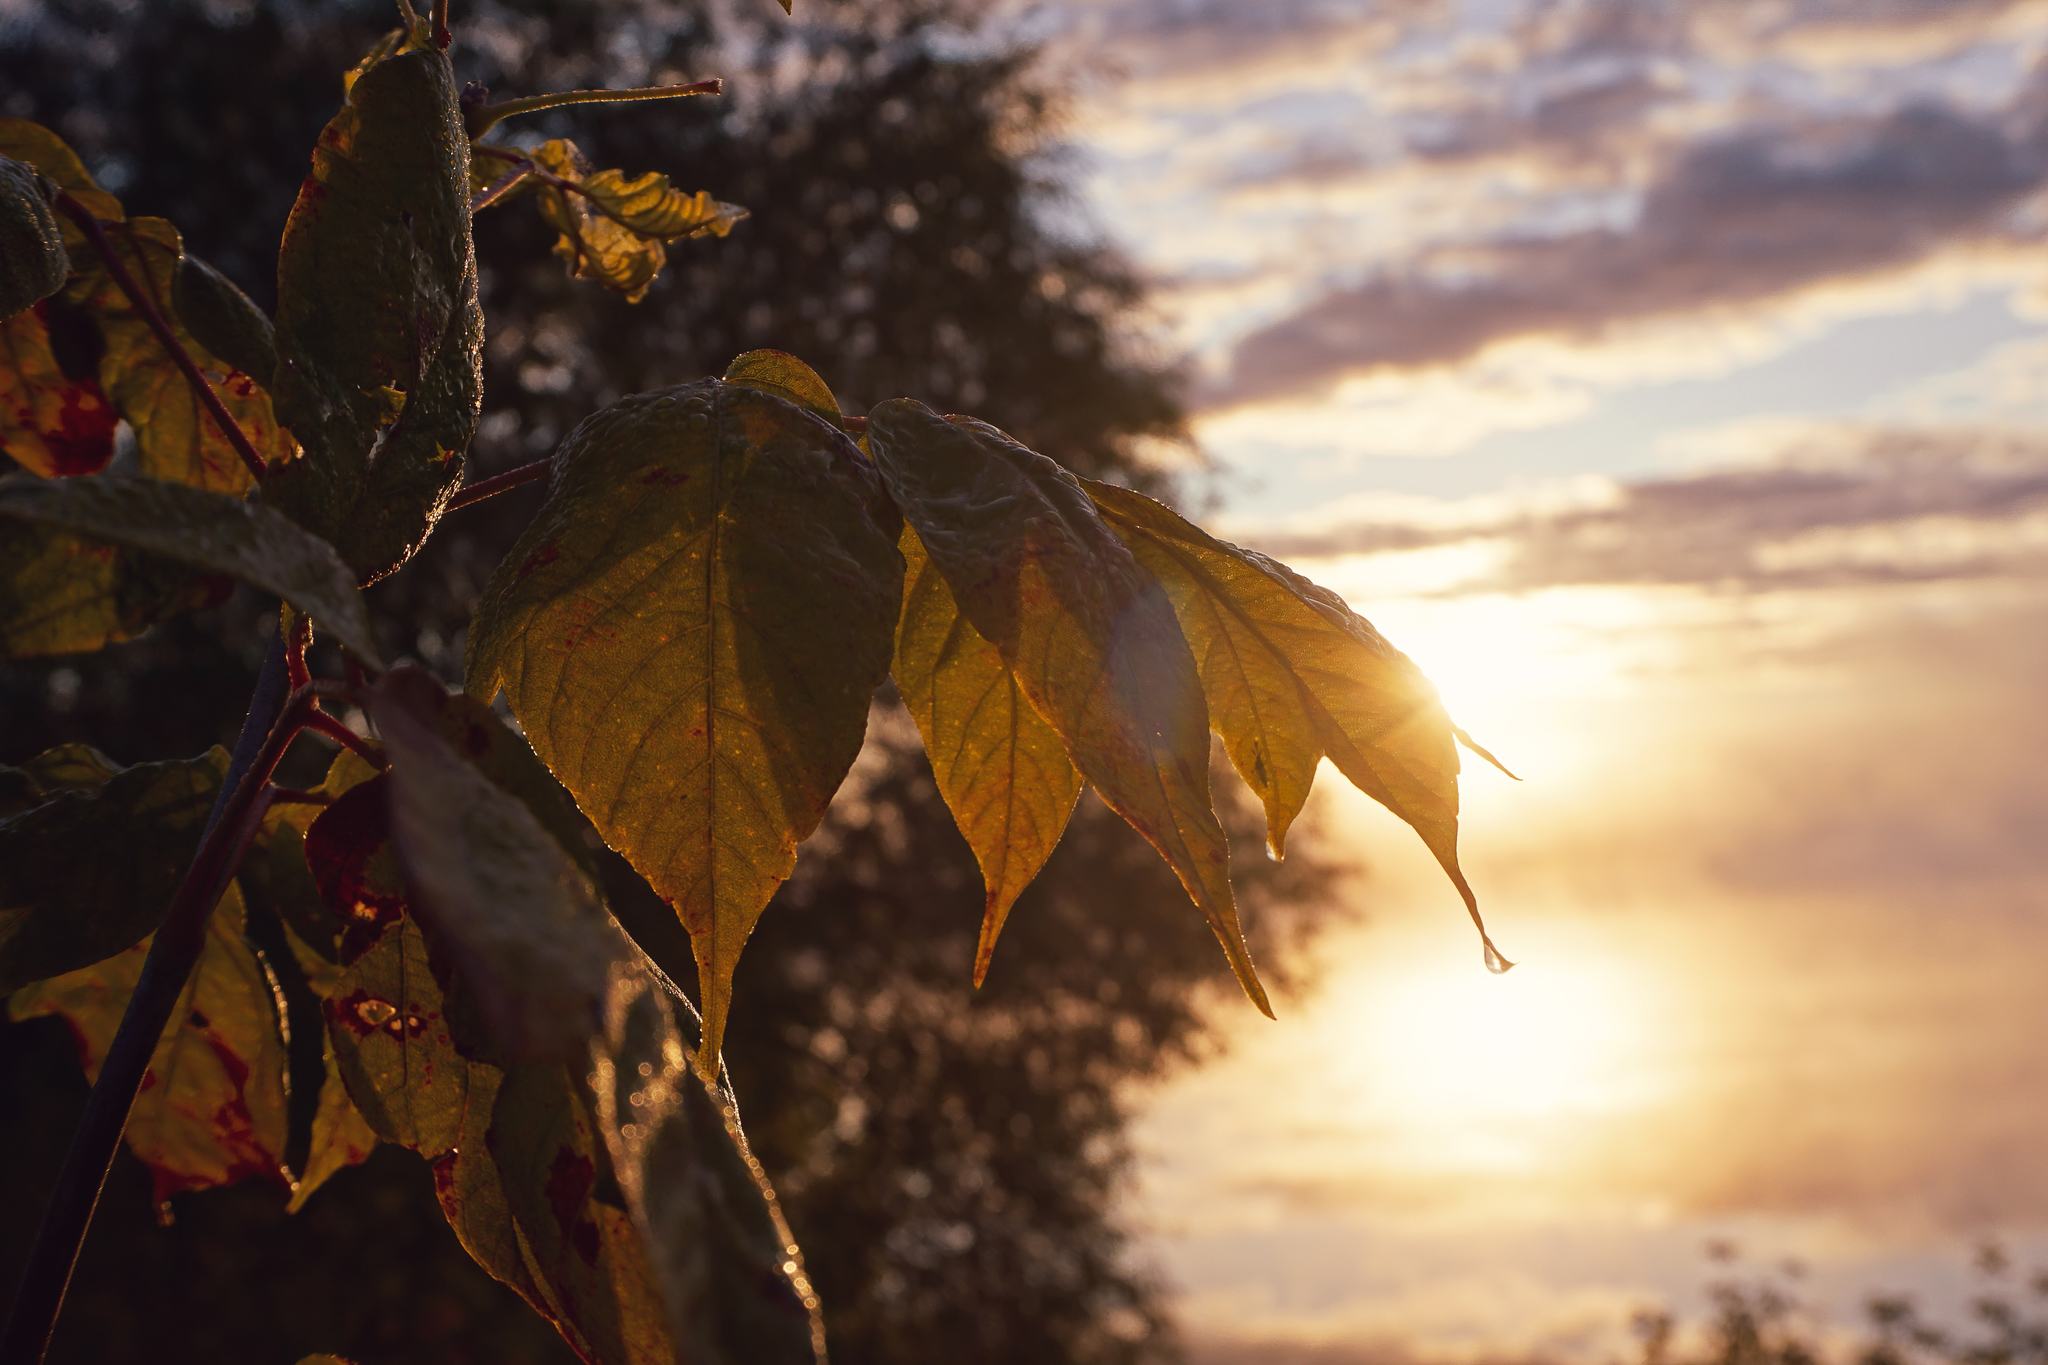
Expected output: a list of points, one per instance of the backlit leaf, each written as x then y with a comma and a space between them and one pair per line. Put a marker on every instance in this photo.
33, 262
1292, 673
341, 1136
51, 423
689, 632
36, 145
212, 1106
210, 532
1089, 635
64, 903
522, 922
782, 374
379, 334
225, 321
471, 1191
60, 594
722, 1253
1002, 769
355, 871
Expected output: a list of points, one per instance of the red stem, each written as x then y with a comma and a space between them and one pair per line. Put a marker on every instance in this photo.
145, 305
498, 483
327, 725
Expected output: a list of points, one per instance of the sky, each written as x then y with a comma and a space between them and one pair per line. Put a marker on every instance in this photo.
1667, 379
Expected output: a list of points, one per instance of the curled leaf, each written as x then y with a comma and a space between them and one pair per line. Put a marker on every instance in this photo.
33, 262
689, 633
1089, 635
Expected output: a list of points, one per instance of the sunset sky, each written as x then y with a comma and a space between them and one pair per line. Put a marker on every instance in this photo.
1667, 378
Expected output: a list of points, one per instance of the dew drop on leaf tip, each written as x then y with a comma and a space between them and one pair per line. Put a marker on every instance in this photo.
1495, 963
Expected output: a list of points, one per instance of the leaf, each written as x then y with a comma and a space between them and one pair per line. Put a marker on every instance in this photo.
212, 1106
1292, 672
689, 632
522, 922
33, 262
21, 140
612, 227
1089, 635
342, 1137
782, 374
394, 1047
210, 532
63, 595
176, 438
582, 1247
65, 904
356, 871
225, 321
1002, 769
379, 335
471, 1191
51, 423
730, 1271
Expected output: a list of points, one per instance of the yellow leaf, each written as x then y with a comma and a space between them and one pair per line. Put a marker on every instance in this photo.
782, 374
51, 424
1002, 769
1089, 635
613, 228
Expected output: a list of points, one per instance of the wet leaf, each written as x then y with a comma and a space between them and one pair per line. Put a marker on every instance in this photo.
586, 1255
387, 1019
379, 335
613, 228
689, 632
175, 437
209, 532
782, 374
51, 423
1002, 769
1292, 673
1089, 635
33, 262
65, 904
341, 1136
522, 922
212, 1106
730, 1271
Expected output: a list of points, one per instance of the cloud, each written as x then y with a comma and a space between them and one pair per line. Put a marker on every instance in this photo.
1738, 220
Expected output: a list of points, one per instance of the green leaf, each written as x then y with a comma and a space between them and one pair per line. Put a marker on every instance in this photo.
583, 1249
613, 228
210, 532
60, 594
224, 320
782, 374
722, 1253
522, 922
1002, 769
379, 335
1089, 635
472, 1195
395, 1048
342, 1137
212, 1106
52, 423
33, 262
1292, 673
176, 437
65, 904
689, 633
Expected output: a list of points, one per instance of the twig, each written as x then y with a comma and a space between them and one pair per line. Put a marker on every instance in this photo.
484, 119
498, 483
322, 723
145, 305
441, 24
269, 727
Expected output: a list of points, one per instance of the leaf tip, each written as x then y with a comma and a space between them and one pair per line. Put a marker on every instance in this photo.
1495, 961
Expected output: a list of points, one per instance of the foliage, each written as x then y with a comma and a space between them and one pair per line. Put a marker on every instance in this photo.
688, 635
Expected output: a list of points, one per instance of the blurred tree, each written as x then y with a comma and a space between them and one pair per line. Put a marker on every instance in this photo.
949, 1158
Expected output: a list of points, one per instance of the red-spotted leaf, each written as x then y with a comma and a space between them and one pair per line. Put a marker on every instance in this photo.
342, 1137
1001, 767
1292, 673
1089, 635
212, 1106
55, 419
689, 632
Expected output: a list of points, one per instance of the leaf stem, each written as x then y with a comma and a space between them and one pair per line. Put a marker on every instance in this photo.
274, 720
484, 119
89, 224
322, 723
441, 24
498, 483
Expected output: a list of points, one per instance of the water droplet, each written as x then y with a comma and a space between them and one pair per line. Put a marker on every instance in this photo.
375, 1012
1495, 963
165, 1216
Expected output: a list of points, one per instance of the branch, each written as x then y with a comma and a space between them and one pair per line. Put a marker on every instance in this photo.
273, 722
498, 483
482, 120
145, 305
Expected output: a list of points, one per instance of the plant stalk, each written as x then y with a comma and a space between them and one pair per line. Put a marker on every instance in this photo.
482, 120
498, 483
272, 722
145, 305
